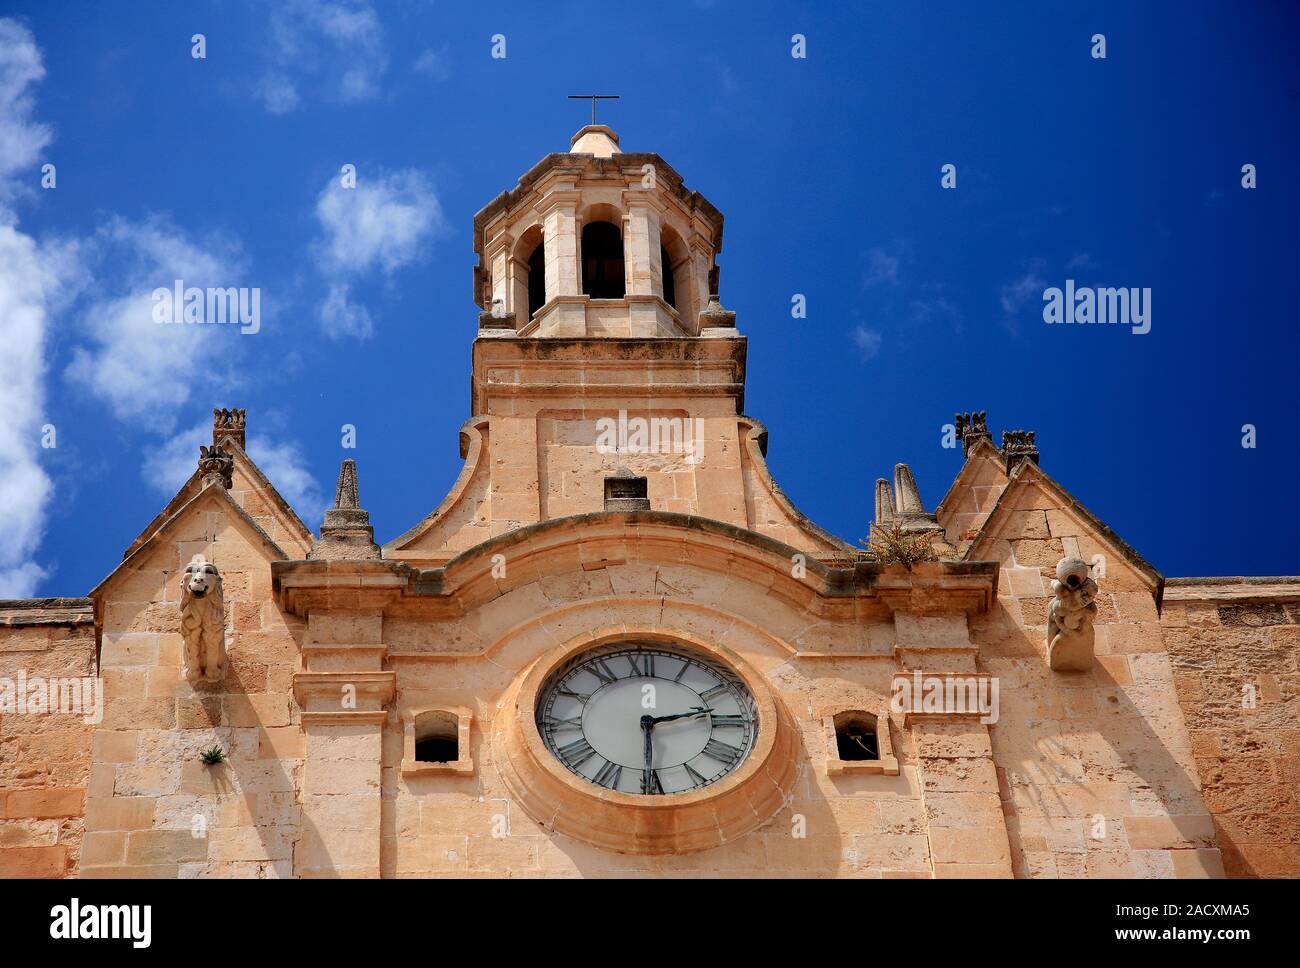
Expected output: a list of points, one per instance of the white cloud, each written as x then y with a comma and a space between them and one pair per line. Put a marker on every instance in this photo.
340, 316
384, 223
25, 488
277, 93
936, 308
867, 341
145, 371
22, 139
170, 464
881, 267
33, 278
334, 47
433, 63
283, 464
1019, 291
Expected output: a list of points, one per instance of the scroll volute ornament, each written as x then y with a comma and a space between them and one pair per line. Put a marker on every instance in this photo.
1070, 636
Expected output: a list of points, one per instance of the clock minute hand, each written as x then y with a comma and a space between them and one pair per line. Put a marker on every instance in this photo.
697, 711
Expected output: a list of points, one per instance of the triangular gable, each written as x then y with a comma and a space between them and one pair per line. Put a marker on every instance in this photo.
290, 519
207, 493
973, 492
1028, 474
295, 524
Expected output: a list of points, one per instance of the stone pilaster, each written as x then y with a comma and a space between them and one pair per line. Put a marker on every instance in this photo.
343, 692
559, 212
643, 269
697, 298
954, 750
498, 254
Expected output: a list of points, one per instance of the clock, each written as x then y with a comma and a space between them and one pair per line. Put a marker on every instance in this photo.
647, 719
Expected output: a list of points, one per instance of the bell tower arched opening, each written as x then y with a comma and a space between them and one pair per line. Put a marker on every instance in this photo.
537, 279
602, 261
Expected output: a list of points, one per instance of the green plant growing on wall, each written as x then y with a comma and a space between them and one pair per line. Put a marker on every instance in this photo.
213, 756
890, 545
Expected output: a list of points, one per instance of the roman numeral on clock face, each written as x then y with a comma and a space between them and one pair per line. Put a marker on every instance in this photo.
722, 752
594, 719
643, 665
608, 775
576, 753
728, 719
601, 672
574, 722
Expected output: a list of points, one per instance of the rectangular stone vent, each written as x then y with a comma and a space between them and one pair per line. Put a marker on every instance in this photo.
626, 493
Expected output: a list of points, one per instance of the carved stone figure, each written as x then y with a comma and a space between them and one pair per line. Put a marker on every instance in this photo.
203, 621
1069, 617
971, 427
216, 465
1017, 447
229, 424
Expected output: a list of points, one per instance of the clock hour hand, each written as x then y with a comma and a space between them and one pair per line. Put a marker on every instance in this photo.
647, 774
697, 711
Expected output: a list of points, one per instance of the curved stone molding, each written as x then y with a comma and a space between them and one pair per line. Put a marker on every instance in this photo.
415, 543
632, 824
754, 435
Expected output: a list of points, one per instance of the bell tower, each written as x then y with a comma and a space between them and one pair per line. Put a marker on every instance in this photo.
597, 241
606, 375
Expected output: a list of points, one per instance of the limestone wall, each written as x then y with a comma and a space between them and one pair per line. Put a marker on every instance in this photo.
153, 809
1095, 769
1093, 774
468, 825
44, 755
1235, 648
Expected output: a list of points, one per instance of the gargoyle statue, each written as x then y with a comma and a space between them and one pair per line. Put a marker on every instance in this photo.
203, 621
1069, 617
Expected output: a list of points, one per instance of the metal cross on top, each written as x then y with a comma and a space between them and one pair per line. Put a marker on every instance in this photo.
594, 98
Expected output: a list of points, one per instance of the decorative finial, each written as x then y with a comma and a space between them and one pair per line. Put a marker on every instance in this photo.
229, 424
216, 465
884, 503
1017, 447
909, 512
714, 316
972, 427
906, 496
346, 532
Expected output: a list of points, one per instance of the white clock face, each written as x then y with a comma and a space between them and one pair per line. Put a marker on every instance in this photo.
647, 719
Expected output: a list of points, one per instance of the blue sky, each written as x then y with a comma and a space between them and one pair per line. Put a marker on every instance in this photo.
921, 301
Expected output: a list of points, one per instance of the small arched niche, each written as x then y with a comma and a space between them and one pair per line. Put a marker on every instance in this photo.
603, 274
857, 741
855, 736
437, 738
436, 741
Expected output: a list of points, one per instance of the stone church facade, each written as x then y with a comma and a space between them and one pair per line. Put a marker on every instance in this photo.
1000, 687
